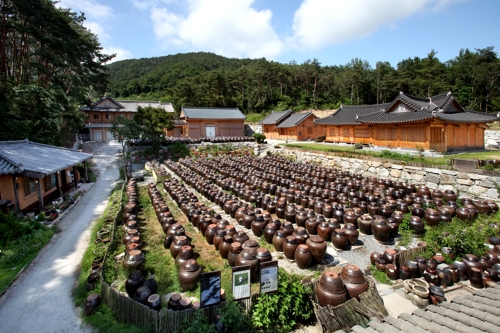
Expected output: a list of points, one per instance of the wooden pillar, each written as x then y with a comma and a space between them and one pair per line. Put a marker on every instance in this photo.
75, 182
58, 183
38, 186
16, 195
85, 168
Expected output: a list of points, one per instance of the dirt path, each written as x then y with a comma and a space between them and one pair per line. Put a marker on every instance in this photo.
40, 299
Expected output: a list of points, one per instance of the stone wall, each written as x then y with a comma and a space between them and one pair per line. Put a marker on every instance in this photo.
491, 138
251, 128
465, 184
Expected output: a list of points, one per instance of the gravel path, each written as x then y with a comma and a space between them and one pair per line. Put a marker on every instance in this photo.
40, 299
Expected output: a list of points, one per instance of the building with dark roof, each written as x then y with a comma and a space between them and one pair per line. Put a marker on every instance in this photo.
32, 174
102, 113
269, 123
438, 122
211, 122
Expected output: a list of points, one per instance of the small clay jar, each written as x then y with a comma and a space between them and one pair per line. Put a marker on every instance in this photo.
134, 281
234, 250
142, 294
365, 224
240, 237
389, 255
317, 246
263, 255
301, 218
352, 233
381, 231
184, 255
312, 226
177, 244
301, 235
278, 239
391, 271
225, 245
330, 290
247, 257
218, 238
404, 273
416, 224
303, 256
269, 232
374, 256
339, 239
325, 231
289, 246
189, 275
210, 233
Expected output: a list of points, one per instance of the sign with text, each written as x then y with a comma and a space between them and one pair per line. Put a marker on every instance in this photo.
268, 277
241, 282
210, 288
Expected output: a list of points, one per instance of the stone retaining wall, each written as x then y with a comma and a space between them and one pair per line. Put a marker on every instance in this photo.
465, 184
491, 138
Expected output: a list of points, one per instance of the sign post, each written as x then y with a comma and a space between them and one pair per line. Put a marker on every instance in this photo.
241, 282
210, 288
268, 277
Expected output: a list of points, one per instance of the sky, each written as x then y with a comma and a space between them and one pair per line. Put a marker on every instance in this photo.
331, 31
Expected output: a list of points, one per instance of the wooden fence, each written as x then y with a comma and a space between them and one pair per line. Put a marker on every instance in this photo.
402, 256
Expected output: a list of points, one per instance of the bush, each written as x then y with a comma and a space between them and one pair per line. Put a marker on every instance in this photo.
320, 138
282, 310
179, 150
259, 137
358, 146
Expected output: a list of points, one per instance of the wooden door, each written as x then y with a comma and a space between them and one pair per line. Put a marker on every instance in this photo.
437, 139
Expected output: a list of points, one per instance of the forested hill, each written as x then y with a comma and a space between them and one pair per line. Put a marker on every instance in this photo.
256, 85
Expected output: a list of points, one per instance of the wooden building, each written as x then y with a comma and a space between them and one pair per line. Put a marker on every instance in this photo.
33, 174
102, 113
211, 122
438, 122
270, 123
298, 126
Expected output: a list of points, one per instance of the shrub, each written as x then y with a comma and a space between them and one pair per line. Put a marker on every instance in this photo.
259, 137
320, 138
358, 146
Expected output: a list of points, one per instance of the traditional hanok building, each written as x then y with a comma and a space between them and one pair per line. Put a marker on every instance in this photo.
438, 122
269, 123
211, 122
102, 113
34, 174
298, 126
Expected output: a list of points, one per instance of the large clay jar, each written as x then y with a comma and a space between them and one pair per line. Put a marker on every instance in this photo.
327, 211
258, 225
248, 219
432, 217
218, 238
134, 260
142, 294
472, 261
391, 271
177, 244
317, 246
288, 228
389, 255
354, 280
339, 239
263, 255
381, 231
189, 275
330, 290
449, 195
325, 231
133, 282
352, 233
365, 224
301, 218
416, 224
247, 257
463, 213
91, 304
234, 250
225, 245
312, 225
301, 235
374, 256
184, 255
240, 237
289, 246
303, 256
278, 239
210, 233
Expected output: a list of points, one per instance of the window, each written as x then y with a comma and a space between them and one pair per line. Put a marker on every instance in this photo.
49, 182
108, 116
28, 186
362, 132
346, 132
333, 132
309, 130
96, 116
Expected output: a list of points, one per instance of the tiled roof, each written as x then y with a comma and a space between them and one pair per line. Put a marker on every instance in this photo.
36, 157
347, 114
394, 117
476, 313
212, 113
127, 106
180, 122
275, 117
468, 117
295, 119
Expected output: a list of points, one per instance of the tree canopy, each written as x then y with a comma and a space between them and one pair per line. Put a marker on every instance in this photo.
206, 79
49, 65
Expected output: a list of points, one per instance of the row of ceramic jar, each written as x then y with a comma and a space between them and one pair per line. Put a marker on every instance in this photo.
143, 290
284, 238
333, 289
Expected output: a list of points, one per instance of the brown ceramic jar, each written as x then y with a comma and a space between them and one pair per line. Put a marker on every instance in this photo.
247, 257
278, 239
339, 239
234, 250
225, 245
325, 231
189, 275
184, 255
289, 246
301, 235
303, 256
352, 233
210, 233
330, 290
317, 247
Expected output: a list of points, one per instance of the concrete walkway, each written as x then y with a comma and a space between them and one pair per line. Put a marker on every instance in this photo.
40, 299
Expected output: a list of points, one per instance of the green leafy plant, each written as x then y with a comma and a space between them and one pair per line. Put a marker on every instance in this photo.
234, 318
198, 324
259, 137
405, 231
358, 146
282, 310
420, 150
379, 275
320, 138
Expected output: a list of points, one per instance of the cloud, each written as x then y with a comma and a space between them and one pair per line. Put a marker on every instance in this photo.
120, 53
91, 8
318, 23
227, 27
97, 29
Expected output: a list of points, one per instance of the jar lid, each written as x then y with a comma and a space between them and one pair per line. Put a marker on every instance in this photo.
303, 248
191, 265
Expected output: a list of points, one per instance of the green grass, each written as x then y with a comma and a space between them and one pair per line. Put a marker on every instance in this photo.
380, 276
348, 151
256, 117
19, 253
